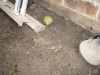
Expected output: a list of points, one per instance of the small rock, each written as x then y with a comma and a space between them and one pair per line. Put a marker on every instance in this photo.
27, 53
52, 48
60, 47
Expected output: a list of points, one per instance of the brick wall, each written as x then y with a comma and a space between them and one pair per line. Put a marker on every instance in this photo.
83, 12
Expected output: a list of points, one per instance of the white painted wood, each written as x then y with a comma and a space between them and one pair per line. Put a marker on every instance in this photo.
33, 23
17, 6
23, 7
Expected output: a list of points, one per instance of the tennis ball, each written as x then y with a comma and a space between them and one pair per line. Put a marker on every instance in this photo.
47, 20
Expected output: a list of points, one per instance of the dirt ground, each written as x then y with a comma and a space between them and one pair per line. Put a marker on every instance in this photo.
55, 51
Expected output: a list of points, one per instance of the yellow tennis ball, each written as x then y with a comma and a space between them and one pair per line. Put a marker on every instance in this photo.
47, 20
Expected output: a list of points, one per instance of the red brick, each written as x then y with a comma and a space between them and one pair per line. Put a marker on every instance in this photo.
91, 10
81, 7
58, 1
70, 3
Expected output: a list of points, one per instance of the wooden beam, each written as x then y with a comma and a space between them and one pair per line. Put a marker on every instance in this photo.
8, 8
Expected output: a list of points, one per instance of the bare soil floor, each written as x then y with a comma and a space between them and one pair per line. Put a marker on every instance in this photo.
55, 51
